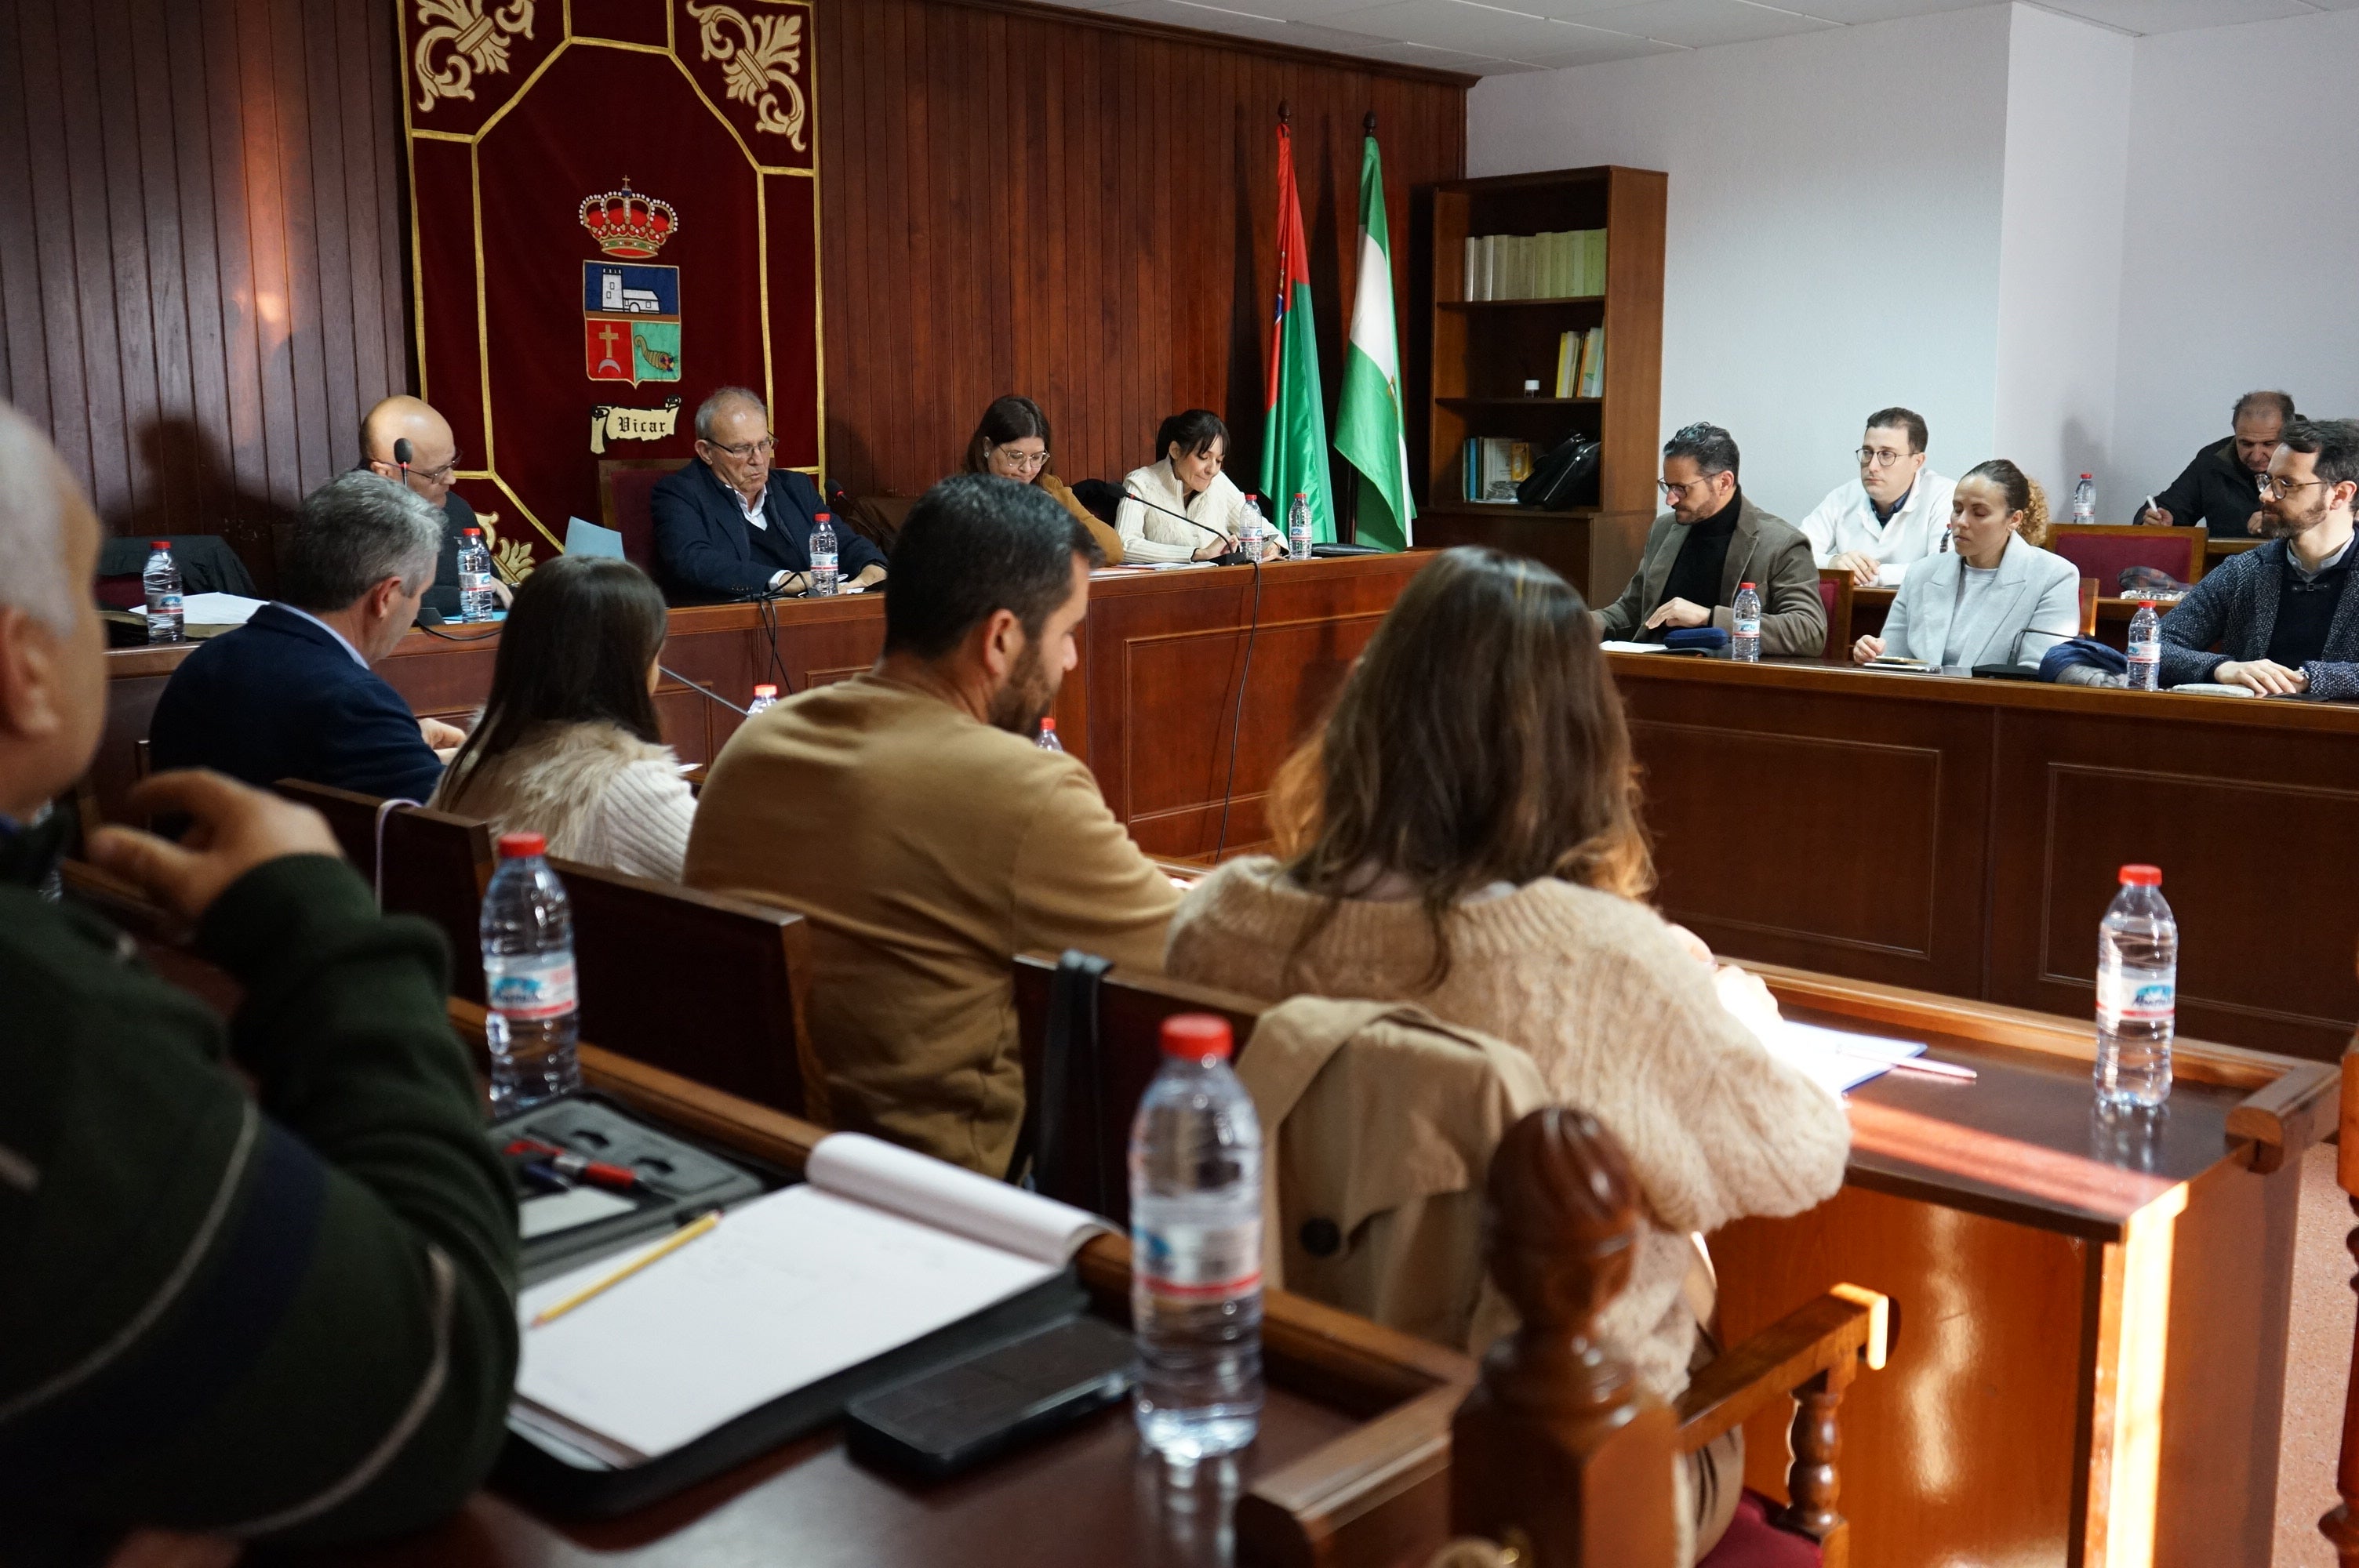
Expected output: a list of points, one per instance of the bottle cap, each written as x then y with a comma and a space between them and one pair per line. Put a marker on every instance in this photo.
2088, 476
765, 690
160, 544
517, 846
472, 532
1049, 726
821, 517
1197, 1036
1744, 585
2142, 876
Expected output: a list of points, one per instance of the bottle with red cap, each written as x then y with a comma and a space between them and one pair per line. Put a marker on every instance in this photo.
2137, 992
1047, 740
1195, 1226
529, 1023
766, 697
1745, 625
161, 577
824, 580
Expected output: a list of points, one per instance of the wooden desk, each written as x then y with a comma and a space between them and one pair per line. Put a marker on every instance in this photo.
2089, 1355
1149, 709
1963, 837
1350, 1469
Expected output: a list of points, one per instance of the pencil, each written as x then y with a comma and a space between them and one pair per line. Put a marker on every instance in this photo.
679, 1238
1914, 1065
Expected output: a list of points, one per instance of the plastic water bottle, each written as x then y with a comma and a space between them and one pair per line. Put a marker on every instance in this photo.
1195, 1226
1297, 527
527, 930
2137, 992
2084, 499
1744, 637
474, 577
766, 697
1254, 534
163, 580
1048, 741
2146, 649
823, 556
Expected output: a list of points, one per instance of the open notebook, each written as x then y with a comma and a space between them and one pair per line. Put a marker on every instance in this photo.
878, 1247
1836, 1058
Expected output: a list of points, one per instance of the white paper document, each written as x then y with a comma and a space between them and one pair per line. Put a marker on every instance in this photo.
1613, 645
218, 609
1837, 1060
787, 1289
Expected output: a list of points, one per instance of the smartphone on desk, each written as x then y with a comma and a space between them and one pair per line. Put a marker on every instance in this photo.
942, 1422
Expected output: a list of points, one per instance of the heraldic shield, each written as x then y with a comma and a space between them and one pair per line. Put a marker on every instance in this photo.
630, 322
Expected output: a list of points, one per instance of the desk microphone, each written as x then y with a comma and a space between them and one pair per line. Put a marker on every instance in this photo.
1228, 558
401, 452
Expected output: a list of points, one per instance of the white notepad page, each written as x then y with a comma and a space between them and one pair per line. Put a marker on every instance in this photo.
787, 1289
1836, 1059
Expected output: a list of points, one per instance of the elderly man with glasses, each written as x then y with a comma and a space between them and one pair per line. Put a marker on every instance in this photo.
2282, 616
1895, 511
1712, 542
407, 440
730, 526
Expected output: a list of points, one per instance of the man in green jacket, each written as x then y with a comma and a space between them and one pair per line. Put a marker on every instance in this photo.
225, 1316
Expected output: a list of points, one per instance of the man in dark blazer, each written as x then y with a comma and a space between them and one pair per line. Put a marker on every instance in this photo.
1711, 541
433, 462
290, 693
2219, 490
730, 526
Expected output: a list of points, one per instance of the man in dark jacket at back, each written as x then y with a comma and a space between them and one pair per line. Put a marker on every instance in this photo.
730, 526
2218, 490
290, 693
287, 1316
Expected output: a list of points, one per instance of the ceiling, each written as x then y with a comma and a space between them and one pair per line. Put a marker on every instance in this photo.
1488, 37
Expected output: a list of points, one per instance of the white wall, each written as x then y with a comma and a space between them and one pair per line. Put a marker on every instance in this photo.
1834, 239
2241, 258
2059, 272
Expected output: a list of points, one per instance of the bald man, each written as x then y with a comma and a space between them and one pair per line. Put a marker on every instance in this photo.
433, 462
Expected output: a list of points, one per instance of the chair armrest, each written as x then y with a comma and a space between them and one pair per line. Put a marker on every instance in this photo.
1848, 1322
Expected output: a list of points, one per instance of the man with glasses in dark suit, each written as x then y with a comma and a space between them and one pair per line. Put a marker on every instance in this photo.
432, 461
730, 526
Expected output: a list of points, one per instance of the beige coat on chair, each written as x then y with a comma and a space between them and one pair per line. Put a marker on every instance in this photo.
1376, 1156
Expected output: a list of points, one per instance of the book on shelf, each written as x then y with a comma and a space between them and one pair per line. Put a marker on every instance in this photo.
1564, 263
1492, 466
1580, 363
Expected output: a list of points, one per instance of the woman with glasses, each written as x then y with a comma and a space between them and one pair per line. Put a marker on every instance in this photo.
1181, 507
1996, 597
1012, 442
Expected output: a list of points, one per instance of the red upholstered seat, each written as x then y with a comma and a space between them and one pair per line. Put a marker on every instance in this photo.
625, 485
1752, 1541
2104, 551
1834, 596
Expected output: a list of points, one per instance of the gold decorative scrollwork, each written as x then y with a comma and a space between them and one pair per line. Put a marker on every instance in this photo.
512, 559
766, 52
474, 40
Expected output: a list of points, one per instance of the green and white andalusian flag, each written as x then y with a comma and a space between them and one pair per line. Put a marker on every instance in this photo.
1369, 430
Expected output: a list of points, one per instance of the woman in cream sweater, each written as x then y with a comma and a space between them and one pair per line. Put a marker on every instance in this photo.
1465, 833
568, 744
1186, 479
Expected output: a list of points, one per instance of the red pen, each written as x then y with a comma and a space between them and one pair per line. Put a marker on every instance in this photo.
579, 1167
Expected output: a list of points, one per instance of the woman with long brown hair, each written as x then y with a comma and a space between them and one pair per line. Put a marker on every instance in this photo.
1465, 833
1011, 441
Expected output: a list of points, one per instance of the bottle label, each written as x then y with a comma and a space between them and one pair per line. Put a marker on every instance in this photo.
529, 988
1198, 1263
1749, 628
2132, 996
2145, 653
163, 604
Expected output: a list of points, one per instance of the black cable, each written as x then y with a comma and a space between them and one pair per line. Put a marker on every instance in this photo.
1236, 717
433, 630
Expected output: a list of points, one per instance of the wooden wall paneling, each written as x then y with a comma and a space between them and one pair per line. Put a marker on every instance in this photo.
215, 289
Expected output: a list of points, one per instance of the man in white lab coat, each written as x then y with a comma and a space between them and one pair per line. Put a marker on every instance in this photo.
1895, 511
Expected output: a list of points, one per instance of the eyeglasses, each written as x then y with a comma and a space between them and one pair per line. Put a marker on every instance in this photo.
1674, 492
2271, 485
435, 476
766, 445
1029, 462
1878, 457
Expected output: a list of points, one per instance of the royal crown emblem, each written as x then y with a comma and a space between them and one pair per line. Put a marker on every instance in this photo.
627, 223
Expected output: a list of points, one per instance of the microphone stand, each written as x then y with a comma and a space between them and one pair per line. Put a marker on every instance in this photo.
706, 692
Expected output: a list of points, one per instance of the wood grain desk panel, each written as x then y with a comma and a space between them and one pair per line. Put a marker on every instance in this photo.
1963, 835
2018, 1233
1149, 709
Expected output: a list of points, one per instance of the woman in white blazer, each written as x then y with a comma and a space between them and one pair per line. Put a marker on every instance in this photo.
1187, 479
1996, 597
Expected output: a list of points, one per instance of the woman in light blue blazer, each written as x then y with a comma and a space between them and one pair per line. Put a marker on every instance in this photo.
1993, 597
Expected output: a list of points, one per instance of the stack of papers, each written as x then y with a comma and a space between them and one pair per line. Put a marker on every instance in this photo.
1836, 1059
218, 609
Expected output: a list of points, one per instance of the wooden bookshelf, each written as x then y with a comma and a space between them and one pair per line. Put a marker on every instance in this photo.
1480, 352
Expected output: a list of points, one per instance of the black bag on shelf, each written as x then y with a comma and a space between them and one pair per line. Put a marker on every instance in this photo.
1566, 477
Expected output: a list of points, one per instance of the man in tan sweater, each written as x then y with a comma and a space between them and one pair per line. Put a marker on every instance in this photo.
908, 815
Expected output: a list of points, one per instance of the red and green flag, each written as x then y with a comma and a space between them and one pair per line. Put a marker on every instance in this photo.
1293, 421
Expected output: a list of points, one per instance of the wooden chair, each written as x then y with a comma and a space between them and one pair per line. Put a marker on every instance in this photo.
1835, 590
2341, 1525
2105, 551
433, 864
1810, 1354
626, 488
711, 987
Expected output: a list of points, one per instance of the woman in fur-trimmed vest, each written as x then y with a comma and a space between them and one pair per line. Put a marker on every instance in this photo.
568, 744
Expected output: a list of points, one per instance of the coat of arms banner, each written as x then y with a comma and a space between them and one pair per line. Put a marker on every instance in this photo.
614, 211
